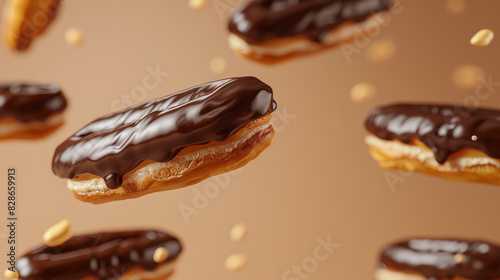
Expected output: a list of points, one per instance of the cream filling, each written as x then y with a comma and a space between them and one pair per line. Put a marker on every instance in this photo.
335, 36
396, 148
154, 274
386, 274
10, 128
98, 184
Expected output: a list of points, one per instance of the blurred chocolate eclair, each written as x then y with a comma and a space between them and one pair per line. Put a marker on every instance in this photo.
24, 20
29, 110
141, 254
443, 259
273, 30
451, 142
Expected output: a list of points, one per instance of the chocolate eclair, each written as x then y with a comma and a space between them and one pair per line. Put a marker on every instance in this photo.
443, 259
30, 110
23, 20
123, 255
452, 142
167, 143
273, 30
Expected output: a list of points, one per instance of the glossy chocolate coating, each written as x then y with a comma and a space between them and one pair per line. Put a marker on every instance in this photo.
105, 256
435, 258
264, 20
157, 130
444, 129
30, 102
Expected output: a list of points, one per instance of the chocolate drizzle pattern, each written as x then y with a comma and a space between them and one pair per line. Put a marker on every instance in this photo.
105, 256
159, 129
30, 102
436, 258
444, 129
264, 20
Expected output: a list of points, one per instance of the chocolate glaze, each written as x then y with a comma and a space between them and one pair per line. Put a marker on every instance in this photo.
30, 102
105, 256
444, 129
159, 129
264, 20
435, 258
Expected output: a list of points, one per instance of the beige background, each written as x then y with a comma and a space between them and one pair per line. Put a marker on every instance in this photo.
317, 178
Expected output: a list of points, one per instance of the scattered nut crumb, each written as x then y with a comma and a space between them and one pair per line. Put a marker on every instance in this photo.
218, 65
236, 262
238, 232
459, 258
197, 4
160, 255
9, 274
467, 76
58, 233
381, 50
74, 37
362, 91
482, 38
455, 7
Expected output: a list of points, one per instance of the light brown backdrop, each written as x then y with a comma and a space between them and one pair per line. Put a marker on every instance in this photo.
317, 178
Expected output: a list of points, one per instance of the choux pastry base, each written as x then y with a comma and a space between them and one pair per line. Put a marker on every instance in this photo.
14, 129
486, 171
190, 166
389, 274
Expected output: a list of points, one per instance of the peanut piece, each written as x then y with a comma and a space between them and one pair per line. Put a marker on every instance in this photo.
9, 274
236, 262
58, 233
160, 255
238, 232
482, 38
